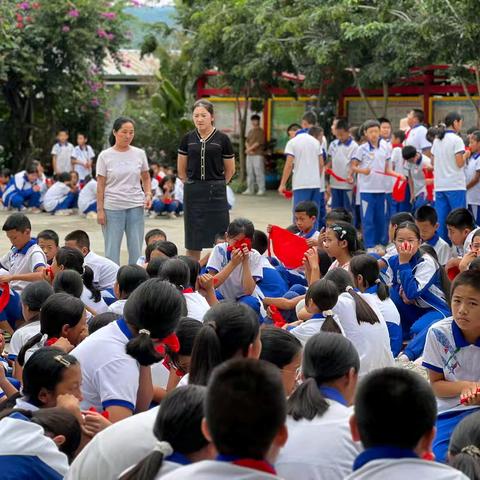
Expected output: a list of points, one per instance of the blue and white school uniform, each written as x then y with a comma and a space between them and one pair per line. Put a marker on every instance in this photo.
448, 352
473, 194
104, 271
441, 247
87, 198
421, 282
417, 137
197, 305
321, 448
372, 192
311, 327
84, 155
27, 453
59, 197
341, 154
415, 171
64, 153
398, 165
449, 181
380, 463
21, 336
272, 283
19, 192
110, 377
87, 298
117, 307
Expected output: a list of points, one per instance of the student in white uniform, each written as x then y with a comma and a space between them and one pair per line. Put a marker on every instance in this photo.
61, 197
319, 445
82, 157
242, 394
129, 277
416, 164
178, 431
472, 173
397, 446
87, 198
62, 153
23, 190
116, 359
417, 135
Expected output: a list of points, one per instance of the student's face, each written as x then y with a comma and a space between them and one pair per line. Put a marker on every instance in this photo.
168, 186
342, 135
81, 140
255, 123
427, 230
457, 125
62, 137
457, 235
77, 333
474, 144
71, 382
475, 245
155, 169
4, 180
56, 267
233, 240
411, 119
32, 177
124, 135
385, 130
183, 363
332, 245
18, 239
406, 235
202, 118
396, 140
303, 222
74, 178
466, 309
291, 374
292, 132
156, 238
373, 134
74, 244
49, 248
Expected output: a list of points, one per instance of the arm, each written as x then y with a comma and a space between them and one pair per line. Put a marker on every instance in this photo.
283, 303
224, 273
35, 276
287, 171
101, 181
445, 389
229, 165
5, 385
145, 390
474, 180
428, 152
117, 413
459, 160
182, 167
248, 282
54, 163
356, 168
410, 185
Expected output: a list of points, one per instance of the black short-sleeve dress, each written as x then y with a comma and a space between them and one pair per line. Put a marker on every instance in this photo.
205, 195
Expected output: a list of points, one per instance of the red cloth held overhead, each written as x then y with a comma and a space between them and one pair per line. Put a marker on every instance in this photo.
287, 247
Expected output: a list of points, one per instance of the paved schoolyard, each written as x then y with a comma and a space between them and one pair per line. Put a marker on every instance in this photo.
261, 210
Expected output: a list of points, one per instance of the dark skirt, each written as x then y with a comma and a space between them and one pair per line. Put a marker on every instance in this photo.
205, 212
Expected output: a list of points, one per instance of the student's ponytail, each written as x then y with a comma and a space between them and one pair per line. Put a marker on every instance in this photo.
327, 357
228, 328
87, 278
366, 266
153, 310
324, 295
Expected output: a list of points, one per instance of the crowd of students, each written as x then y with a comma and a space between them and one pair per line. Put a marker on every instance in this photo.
282, 353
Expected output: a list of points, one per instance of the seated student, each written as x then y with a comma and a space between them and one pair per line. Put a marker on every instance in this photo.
241, 395
396, 445
426, 219
178, 430
178, 195
340, 243
452, 356
5, 177
87, 198
472, 255
284, 350
116, 359
23, 190
61, 197
394, 222
153, 266
164, 201
460, 228
305, 214
104, 270
416, 163
366, 275
129, 277
48, 241
319, 444
419, 288
152, 236
162, 248
102, 320
24, 263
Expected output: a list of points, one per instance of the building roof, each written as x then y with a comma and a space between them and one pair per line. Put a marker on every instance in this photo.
130, 68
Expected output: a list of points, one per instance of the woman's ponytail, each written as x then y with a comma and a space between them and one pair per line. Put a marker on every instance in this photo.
28, 345
142, 349
383, 292
306, 402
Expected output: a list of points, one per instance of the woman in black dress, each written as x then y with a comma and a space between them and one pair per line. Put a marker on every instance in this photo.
206, 163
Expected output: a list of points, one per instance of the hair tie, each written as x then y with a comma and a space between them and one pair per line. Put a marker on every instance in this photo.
63, 361
348, 288
471, 450
212, 325
144, 331
164, 448
327, 313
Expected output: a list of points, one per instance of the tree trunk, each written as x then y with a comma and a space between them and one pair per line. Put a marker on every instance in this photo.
362, 93
470, 98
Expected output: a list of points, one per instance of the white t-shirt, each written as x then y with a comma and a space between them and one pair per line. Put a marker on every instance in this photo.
415, 170
83, 155
64, 152
88, 301
341, 155
311, 327
374, 159
398, 165
386, 307
442, 249
417, 137
122, 170
319, 449
21, 336
109, 375
104, 270
305, 151
473, 166
448, 176
197, 305
54, 195
87, 195
117, 307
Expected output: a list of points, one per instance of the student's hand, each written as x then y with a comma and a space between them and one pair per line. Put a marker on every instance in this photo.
94, 422
206, 282
63, 344
405, 299
350, 179
452, 263
311, 242
6, 278
237, 257
323, 236
405, 252
470, 395
311, 255
269, 228
36, 188
282, 188
245, 251
292, 324
72, 404
101, 220
147, 203
467, 259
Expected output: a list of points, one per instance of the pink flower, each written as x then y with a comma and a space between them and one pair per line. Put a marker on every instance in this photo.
24, 6
101, 33
74, 13
95, 102
110, 36
20, 25
136, 3
65, 29
109, 15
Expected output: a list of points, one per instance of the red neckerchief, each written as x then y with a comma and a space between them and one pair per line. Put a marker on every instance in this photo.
171, 341
187, 290
51, 341
260, 465
395, 145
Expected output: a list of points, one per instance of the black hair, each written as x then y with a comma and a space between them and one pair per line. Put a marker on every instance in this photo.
129, 277
5, 172
367, 266
341, 124
155, 232
344, 282
31, 168
80, 237
384, 120
260, 241
418, 114
404, 392
310, 117
63, 177
68, 281
409, 152
178, 423
279, 346
400, 134
255, 116
310, 208
186, 331
58, 310
117, 125
432, 133
326, 357
49, 235
35, 294
169, 249
426, 213
176, 272
17, 221
475, 264
324, 262
193, 267
101, 320
476, 134
346, 231
339, 214
450, 119
72, 259
315, 131
401, 217
154, 265
62, 129
239, 226
228, 328
206, 104
464, 447
370, 124
460, 218
153, 309
165, 179
293, 126
470, 278
324, 294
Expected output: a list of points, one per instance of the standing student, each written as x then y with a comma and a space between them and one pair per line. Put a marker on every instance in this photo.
23, 190
398, 165
416, 164
417, 135
319, 444
305, 157
255, 142
341, 244
317, 132
62, 153
396, 445
129, 277
123, 191
82, 157
61, 197
472, 173
241, 395
48, 241
448, 161
87, 198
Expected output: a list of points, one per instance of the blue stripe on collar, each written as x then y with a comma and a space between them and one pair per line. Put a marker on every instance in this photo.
460, 341
476, 155
122, 325
333, 394
372, 289
179, 458
433, 241
317, 315
380, 453
25, 248
309, 234
302, 130
346, 142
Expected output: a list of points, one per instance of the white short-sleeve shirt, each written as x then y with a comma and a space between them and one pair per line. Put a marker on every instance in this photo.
374, 159
448, 176
311, 327
341, 154
54, 195
87, 195
398, 165
84, 155
197, 305
21, 336
122, 171
417, 137
473, 166
415, 170
117, 307
104, 270
63, 152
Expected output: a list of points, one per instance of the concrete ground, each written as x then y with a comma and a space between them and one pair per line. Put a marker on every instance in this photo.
260, 210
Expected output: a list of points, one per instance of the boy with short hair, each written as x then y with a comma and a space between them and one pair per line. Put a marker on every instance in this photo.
396, 446
62, 153
426, 219
24, 263
305, 214
460, 227
23, 190
82, 157
245, 414
48, 241
5, 176
152, 236
398, 165
61, 197
416, 163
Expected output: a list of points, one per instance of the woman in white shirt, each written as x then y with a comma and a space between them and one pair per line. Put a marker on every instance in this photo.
319, 445
122, 171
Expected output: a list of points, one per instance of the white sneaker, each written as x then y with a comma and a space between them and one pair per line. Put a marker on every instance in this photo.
153, 215
247, 192
92, 215
172, 215
261, 193
63, 213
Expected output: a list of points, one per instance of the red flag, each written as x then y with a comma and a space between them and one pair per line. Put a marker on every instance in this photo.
287, 247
